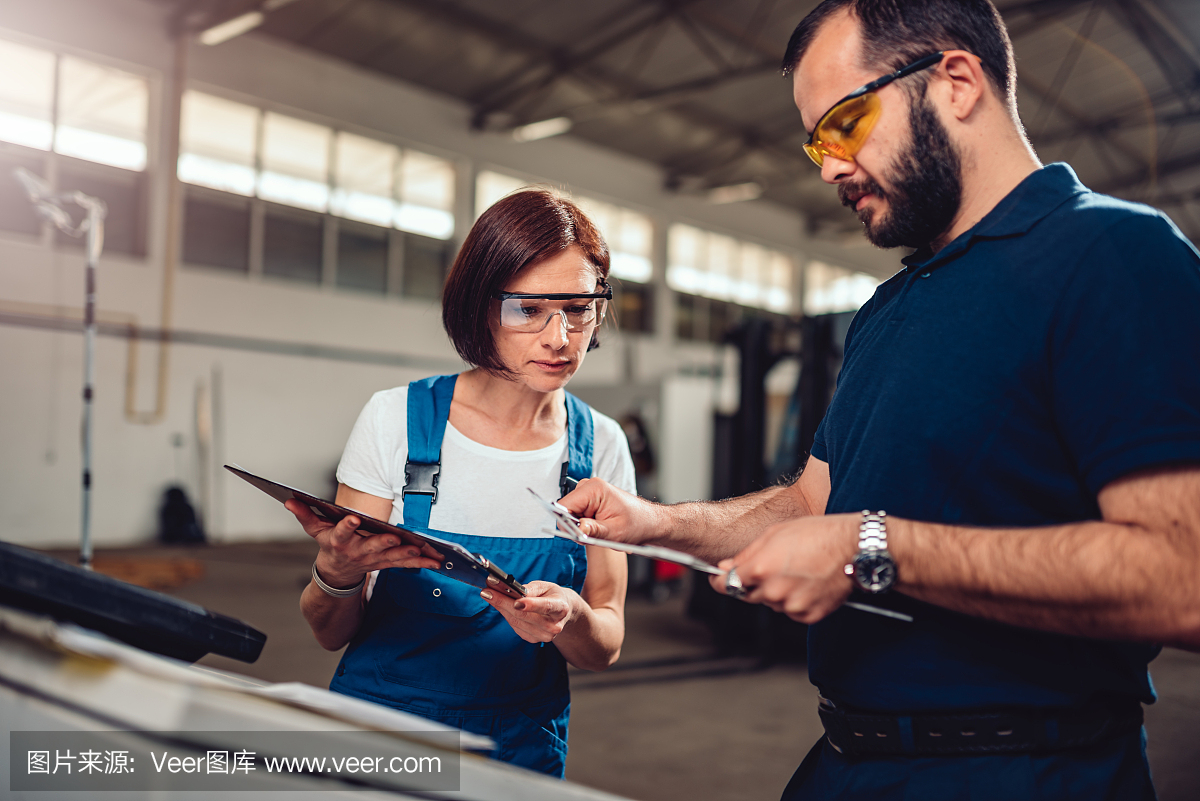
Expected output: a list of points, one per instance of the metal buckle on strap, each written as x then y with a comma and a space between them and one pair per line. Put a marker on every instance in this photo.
421, 478
565, 483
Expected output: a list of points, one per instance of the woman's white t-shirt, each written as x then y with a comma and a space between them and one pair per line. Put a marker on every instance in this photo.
481, 490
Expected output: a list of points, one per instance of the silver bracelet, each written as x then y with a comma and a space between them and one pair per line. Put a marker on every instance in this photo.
334, 591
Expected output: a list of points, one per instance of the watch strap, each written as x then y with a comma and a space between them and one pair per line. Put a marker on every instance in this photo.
872, 531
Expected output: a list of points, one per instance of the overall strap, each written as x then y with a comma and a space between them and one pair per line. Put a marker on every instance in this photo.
579, 444
428, 411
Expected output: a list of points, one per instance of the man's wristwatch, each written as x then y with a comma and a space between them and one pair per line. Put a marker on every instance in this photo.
873, 569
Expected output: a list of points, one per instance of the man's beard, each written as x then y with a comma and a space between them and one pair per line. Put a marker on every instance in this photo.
926, 181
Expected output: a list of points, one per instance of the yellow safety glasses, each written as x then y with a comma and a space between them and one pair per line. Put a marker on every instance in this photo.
843, 130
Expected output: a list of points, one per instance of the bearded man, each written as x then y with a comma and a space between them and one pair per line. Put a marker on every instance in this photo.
1022, 398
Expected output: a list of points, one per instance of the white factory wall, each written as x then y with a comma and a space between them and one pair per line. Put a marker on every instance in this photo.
285, 416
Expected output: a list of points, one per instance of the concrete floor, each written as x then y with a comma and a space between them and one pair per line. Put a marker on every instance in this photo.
671, 720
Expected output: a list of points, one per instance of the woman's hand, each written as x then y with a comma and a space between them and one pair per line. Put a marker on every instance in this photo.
543, 614
345, 556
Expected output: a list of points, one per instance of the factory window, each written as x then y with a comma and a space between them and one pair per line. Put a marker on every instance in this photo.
216, 231
362, 257
364, 179
725, 269
702, 319
425, 263
123, 191
295, 162
26, 106
289, 162
633, 306
829, 289
101, 114
368, 186
292, 244
217, 143
93, 140
630, 238
425, 195
491, 186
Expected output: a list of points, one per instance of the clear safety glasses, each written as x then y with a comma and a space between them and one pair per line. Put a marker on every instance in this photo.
843, 130
531, 314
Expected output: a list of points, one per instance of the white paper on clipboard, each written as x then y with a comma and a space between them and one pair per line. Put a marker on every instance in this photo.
569, 529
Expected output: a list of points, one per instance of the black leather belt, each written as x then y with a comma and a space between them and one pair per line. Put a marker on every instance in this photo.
1025, 730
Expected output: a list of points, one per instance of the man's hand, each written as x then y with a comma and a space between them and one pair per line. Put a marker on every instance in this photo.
798, 567
608, 513
542, 614
345, 557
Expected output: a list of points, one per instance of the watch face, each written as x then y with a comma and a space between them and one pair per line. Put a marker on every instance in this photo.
875, 572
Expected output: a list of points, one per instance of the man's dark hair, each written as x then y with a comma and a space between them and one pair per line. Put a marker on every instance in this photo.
898, 32
519, 230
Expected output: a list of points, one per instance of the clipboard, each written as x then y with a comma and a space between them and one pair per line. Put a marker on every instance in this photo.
457, 562
568, 527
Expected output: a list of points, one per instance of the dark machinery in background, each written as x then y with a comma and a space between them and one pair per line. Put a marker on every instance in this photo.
741, 466
145, 619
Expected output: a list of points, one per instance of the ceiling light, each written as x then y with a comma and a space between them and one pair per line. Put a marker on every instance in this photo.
542, 130
232, 28
735, 193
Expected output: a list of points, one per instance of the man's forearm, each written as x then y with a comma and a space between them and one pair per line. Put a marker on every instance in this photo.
1095, 579
716, 530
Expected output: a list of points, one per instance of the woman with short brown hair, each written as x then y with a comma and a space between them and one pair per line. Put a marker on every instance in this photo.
523, 305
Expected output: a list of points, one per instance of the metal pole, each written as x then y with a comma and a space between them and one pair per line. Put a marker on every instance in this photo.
89, 374
95, 243
49, 205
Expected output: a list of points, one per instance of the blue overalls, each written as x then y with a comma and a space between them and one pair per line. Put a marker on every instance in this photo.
431, 646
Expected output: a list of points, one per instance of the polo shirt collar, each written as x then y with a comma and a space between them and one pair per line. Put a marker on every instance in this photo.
1034, 198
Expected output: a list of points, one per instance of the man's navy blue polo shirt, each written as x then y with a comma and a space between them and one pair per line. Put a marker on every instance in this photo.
1003, 382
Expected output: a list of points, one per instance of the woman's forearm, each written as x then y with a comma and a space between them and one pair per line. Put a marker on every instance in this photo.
334, 621
592, 639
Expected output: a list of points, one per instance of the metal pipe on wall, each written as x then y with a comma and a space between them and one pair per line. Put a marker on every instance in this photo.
170, 139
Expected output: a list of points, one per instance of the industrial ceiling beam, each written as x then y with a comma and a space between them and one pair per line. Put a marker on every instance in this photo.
459, 17
732, 145
1165, 169
663, 96
700, 40
747, 38
621, 91
1041, 12
1033, 15
328, 22
1084, 125
1176, 63
1065, 68
551, 66
748, 141
205, 15
1125, 122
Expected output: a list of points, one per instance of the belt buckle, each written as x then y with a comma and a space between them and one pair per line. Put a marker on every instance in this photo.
825, 705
